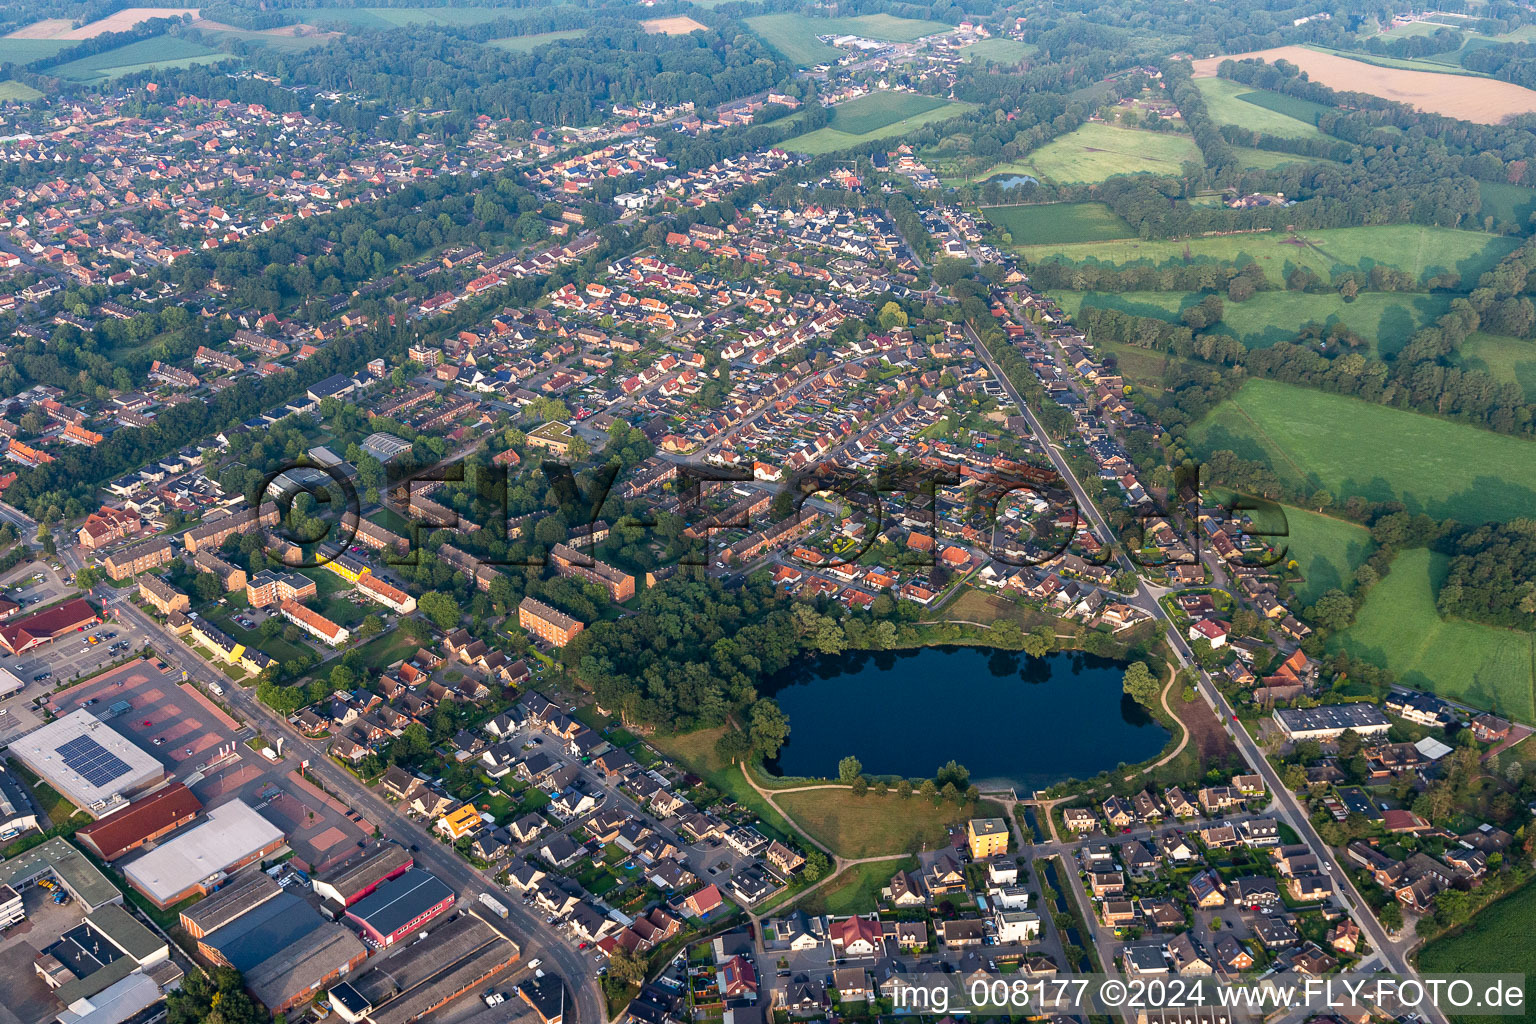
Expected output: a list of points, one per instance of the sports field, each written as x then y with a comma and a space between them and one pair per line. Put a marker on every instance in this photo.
1272, 113
1351, 447
1059, 222
1511, 360
1418, 250
523, 44
1399, 627
1384, 319
831, 140
1002, 51
156, 52
12, 90
1095, 152
794, 35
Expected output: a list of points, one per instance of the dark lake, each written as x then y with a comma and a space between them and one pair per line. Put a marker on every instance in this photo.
1011, 719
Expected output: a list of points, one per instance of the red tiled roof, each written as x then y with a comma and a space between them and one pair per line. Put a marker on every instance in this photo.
124, 829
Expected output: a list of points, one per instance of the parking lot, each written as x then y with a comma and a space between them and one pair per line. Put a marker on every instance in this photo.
34, 584
164, 718
74, 656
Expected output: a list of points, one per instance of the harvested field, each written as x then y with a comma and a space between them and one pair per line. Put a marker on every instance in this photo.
679, 26
124, 20
48, 28
1483, 100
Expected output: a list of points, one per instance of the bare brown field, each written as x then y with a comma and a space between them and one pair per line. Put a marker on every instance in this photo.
48, 28
124, 20
1483, 100
679, 26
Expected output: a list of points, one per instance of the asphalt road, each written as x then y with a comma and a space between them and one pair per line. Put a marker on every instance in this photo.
522, 925
1286, 807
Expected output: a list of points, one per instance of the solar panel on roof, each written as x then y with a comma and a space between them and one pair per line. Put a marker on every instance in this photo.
93, 762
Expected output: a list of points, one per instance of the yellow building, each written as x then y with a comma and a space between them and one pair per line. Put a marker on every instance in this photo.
988, 837
349, 569
459, 822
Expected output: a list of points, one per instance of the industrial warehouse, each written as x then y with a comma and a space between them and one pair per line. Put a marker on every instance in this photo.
89, 762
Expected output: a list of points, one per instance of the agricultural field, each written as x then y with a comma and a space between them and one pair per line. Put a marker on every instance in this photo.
1095, 152
794, 35
15, 50
156, 52
524, 44
1059, 222
1511, 360
1001, 51
1497, 939
14, 91
1385, 319
830, 139
118, 21
1272, 113
1418, 250
399, 17
1483, 100
1268, 159
680, 26
879, 110
1400, 628
1350, 447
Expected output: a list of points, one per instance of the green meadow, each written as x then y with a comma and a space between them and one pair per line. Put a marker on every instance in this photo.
1384, 319
1096, 152
1400, 628
795, 35
1416, 249
1349, 447
1059, 222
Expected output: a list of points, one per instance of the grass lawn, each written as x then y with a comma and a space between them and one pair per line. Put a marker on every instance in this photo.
386, 649
1059, 222
1400, 628
794, 35
1417, 250
1271, 113
975, 605
831, 140
1327, 550
857, 889
1510, 360
158, 51
1495, 941
14, 91
334, 598
523, 44
1385, 319
870, 825
1354, 447
1001, 50
1095, 152
276, 647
